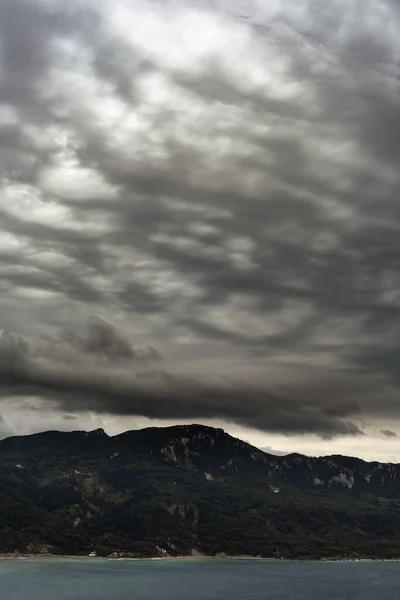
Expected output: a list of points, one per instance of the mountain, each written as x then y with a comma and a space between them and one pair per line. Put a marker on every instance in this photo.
190, 489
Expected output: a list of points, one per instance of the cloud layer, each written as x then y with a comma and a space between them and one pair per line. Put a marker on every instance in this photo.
101, 373
221, 184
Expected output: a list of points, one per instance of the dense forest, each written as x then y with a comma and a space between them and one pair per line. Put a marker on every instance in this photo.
190, 489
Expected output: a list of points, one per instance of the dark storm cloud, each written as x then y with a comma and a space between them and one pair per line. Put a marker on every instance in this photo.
249, 203
102, 339
75, 381
26, 370
100, 343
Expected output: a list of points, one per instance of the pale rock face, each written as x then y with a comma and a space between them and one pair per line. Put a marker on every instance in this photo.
317, 481
257, 456
169, 452
346, 479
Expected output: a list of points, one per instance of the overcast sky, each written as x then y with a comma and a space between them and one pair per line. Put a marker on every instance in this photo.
200, 219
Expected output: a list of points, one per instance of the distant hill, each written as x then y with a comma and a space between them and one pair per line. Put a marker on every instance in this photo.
191, 489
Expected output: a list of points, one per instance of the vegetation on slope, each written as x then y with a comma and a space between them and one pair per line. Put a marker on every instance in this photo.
176, 490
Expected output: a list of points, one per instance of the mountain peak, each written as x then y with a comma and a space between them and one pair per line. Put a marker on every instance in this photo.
98, 431
189, 487
191, 428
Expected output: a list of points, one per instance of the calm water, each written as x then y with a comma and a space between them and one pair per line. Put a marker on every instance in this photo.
85, 579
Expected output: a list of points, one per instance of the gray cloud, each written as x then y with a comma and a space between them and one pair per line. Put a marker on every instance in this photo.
388, 434
5, 429
103, 340
245, 210
92, 373
80, 383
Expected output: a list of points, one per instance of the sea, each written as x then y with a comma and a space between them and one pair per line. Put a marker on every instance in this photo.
101, 579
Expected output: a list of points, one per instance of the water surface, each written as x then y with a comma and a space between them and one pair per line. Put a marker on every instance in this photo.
97, 579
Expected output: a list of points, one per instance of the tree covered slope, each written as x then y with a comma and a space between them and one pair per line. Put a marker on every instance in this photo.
185, 489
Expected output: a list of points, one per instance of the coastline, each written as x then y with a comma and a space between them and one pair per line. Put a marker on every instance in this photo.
24, 556
186, 558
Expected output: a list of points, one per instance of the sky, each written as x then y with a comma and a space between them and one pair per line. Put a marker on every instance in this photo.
200, 219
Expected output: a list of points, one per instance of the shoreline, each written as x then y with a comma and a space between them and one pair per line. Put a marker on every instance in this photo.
25, 556
186, 558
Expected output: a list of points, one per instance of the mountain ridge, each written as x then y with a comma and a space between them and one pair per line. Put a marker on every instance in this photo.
100, 430
191, 488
